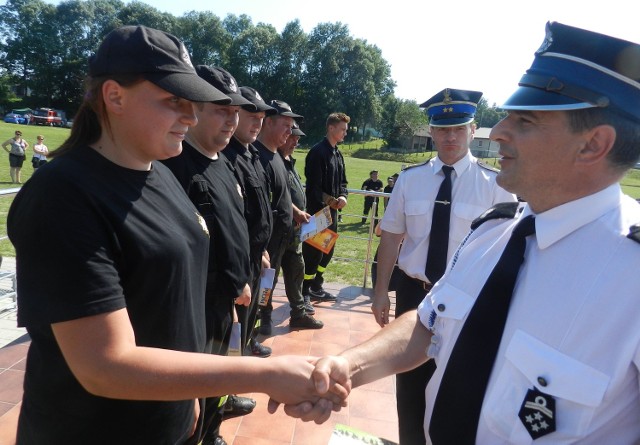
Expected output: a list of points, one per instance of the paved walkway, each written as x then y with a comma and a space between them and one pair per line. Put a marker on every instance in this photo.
348, 322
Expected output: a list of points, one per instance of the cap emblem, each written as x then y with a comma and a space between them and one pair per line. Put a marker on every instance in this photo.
184, 54
447, 98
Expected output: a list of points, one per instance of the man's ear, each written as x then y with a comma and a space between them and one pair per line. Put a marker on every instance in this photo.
599, 142
112, 92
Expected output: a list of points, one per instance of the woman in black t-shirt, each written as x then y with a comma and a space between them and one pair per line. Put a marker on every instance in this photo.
112, 262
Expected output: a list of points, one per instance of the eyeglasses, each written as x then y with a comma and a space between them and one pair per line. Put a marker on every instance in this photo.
18, 134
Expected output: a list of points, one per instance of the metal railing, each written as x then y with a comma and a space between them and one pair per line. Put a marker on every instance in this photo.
8, 295
372, 221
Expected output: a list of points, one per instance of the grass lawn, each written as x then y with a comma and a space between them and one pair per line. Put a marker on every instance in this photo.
352, 242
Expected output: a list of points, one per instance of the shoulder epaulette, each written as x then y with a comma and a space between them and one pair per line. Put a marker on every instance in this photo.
488, 167
634, 233
415, 165
504, 210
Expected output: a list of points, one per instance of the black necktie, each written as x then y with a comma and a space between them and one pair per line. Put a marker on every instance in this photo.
439, 237
457, 407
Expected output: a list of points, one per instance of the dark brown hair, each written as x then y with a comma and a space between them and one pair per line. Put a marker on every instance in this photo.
92, 115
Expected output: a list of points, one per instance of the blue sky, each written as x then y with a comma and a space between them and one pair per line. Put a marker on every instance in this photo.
476, 45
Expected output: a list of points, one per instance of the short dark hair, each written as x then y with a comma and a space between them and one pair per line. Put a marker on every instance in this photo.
626, 148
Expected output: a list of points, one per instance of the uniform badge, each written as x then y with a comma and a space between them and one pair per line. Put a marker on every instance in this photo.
203, 224
538, 413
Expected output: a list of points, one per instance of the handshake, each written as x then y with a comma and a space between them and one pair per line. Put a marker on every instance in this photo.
309, 388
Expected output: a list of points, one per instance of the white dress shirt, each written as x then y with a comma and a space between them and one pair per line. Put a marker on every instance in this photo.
573, 329
410, 207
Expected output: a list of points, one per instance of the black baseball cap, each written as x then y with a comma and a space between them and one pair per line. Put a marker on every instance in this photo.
252, 95
157, 56
283, 109
225, 82
296, 131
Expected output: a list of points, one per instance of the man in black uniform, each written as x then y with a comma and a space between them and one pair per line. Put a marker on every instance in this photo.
210, 181
292, 261
326, 185
257, 211
274, 133
373, 184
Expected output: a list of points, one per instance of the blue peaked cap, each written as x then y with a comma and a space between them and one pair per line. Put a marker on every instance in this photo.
451, 107
575, 68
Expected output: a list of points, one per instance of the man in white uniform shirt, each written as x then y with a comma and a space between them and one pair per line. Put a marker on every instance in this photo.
410, 219
566, 364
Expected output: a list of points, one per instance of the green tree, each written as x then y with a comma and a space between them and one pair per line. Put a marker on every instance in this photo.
401, 120
138, 13
205, 37
488, 116
30, 45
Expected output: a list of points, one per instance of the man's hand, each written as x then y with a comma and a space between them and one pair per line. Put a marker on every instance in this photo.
326, 389
380, 307
300, 216
342, 202
244, 299
266, 261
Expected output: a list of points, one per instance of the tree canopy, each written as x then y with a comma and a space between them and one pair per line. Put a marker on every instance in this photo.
44, 50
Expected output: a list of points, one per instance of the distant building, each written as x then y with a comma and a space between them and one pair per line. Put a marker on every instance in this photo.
482, 146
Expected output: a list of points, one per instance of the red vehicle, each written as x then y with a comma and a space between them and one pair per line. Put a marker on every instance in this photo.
49, 116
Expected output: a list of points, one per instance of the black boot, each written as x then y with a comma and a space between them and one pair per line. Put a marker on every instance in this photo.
265, 324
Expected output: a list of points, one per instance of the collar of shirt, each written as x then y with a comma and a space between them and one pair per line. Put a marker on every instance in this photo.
459, 167
558, 222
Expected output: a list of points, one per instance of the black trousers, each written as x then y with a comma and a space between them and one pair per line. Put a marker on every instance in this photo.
314, 258
247, 315
411, 385
368, 203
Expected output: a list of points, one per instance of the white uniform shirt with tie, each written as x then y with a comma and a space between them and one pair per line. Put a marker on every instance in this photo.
410, 208
573, 329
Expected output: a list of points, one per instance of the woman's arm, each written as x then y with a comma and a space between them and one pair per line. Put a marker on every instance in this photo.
102, 354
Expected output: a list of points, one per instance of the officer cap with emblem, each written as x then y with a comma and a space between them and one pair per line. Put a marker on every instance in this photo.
156, 56
451, 107
225, 82
575, 69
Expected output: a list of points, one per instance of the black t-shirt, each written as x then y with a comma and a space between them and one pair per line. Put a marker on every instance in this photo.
222, 206
371, 185
254, 181
92, 237
280, 196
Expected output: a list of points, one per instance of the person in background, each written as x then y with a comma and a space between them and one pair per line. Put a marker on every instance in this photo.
17, 155
423, 239
388, 189
40, 153
257, 210
275, 131
326, 185
375, 185
292, 261
118, 351
571, 319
